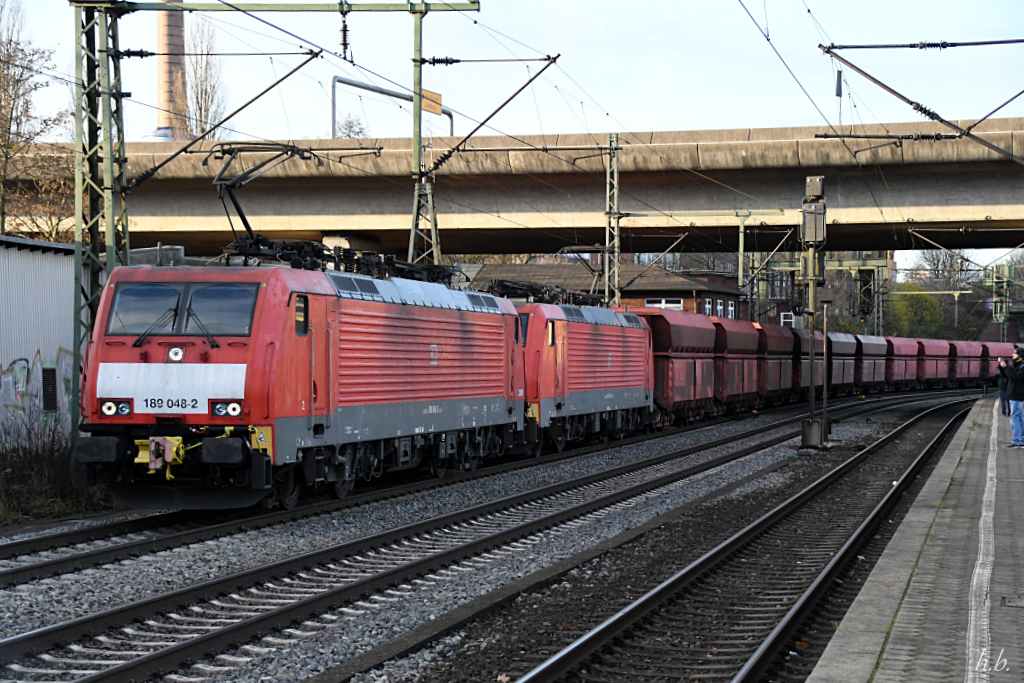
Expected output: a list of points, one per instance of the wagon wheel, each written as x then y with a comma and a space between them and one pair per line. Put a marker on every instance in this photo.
343, 487
556, 437
535, 450
287, 488
474, 451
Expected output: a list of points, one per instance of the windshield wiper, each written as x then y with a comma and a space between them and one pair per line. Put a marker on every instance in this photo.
202, 328
165, 317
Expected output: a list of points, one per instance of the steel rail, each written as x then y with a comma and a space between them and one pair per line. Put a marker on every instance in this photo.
113, 553
758, 664
55, 541
587, 645
41, 639
44, 542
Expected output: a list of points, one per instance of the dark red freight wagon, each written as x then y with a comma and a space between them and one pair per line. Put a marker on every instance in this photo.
842, 360
869, 370
588, 370
736, 376
966, 362
775, 358
933, 367
901, 362
684, 362
801, 370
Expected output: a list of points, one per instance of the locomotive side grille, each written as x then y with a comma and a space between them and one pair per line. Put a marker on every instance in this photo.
605, 357
389, 354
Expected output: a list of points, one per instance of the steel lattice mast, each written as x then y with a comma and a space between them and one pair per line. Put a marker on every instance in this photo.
101, 218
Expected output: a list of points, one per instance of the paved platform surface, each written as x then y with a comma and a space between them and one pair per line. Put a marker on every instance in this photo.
946, 600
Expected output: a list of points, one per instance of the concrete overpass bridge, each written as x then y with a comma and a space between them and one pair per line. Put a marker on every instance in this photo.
509, 197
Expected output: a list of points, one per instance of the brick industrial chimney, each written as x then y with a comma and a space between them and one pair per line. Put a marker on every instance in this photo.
170, 75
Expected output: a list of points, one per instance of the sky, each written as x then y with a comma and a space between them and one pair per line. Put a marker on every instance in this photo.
624, 66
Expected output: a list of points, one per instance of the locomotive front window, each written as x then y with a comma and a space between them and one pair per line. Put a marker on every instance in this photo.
224, 308
138, 306
170, 308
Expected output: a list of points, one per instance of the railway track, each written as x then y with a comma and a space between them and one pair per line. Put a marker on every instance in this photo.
51, 555
732, 614
159, 634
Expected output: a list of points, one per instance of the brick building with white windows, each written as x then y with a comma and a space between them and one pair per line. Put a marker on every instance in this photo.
641, 285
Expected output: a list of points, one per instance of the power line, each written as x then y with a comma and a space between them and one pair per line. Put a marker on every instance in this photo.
936, 45
400, 85
920, 108
70, 80
147, 53
601, 109
491, 31
814, 104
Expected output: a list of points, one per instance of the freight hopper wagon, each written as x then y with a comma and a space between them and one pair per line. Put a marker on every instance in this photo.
802, 360
683, 346
776, 345
965, 366
218, 387
933, 362
901, 362
869, 371
736, 363
588, 372
842, 363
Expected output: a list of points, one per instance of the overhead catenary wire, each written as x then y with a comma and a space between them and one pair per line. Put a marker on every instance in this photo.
928, 45
331, 53
921, 109
399, 85
601, 109
68, 79
317, 153
717, 242
254, 53
141, 178
814, 104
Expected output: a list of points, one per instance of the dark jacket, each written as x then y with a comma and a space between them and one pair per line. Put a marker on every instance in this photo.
1014, 374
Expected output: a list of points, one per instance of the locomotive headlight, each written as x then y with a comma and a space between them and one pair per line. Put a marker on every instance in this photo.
220, 409
109, 408
175, 354
123, 408
234, 409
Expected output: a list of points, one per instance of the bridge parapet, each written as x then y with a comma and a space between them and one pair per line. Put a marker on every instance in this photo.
669, 151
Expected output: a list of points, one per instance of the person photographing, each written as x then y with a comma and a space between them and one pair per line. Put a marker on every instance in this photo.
1014, 374
1003, 381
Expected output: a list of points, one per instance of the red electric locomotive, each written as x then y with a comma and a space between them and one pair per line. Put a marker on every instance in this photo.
588, 371
247, 381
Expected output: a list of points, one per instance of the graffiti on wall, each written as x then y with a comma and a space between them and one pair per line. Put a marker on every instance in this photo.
35, 395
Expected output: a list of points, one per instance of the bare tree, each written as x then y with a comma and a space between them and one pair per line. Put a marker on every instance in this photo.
42, 198
20, 124
946, 269
205, 83
352, 127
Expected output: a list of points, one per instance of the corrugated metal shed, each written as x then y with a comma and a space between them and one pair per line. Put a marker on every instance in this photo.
36, 299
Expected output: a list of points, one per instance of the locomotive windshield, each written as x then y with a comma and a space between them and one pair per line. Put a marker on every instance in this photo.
222, 308
137, 306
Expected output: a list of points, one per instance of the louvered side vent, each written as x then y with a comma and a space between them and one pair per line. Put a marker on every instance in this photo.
50, 389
